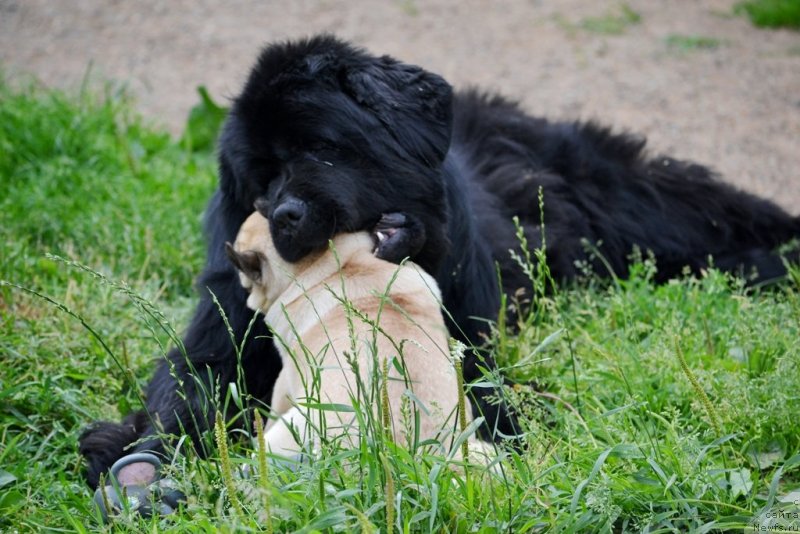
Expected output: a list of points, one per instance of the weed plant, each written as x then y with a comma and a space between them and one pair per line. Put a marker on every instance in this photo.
691, 43
614, 22
771, 13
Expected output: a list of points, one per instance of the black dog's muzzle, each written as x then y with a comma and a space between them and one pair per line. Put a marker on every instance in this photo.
289, 215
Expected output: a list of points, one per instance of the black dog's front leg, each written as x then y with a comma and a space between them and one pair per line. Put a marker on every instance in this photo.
181, 398
398, 236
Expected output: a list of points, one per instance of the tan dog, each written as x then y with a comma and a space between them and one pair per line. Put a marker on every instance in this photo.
304, 305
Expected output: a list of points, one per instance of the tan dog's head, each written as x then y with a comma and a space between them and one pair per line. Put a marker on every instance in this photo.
267, 275
262, 271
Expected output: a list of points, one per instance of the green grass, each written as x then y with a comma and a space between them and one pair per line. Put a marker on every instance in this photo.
772, 13
620, 436
612, 23
690, 43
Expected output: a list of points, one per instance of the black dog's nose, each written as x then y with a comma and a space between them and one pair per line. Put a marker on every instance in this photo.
289, 213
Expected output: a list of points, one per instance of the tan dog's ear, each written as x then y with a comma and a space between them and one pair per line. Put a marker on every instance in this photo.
249, 262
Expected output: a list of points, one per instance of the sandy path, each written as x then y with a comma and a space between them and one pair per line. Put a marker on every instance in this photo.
735, 107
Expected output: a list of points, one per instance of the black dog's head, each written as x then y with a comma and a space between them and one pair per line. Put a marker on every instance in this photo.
325, 138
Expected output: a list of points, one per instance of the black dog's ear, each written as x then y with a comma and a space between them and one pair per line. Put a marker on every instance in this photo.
249, 262
414, 105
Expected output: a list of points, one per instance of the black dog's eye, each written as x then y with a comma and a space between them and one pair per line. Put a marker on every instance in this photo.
317, 158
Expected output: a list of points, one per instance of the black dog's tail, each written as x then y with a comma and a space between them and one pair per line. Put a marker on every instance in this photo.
741, 232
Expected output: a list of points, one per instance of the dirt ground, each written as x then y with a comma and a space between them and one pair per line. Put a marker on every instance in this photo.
733, 104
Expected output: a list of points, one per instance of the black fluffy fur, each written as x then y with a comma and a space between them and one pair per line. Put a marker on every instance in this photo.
353, 136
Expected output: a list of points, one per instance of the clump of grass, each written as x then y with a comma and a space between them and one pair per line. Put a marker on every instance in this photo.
85, 178
771, 13
613, 22
204, 122
637, 455
409, 8
688, 43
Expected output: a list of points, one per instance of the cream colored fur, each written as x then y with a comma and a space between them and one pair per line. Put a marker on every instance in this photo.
303, 305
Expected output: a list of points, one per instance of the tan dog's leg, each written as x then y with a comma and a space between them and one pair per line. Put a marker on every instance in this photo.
281, 401
280, 438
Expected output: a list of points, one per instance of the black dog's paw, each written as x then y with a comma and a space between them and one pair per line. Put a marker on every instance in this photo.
398, 236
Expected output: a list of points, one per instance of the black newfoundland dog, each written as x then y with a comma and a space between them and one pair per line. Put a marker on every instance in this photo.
326, 138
